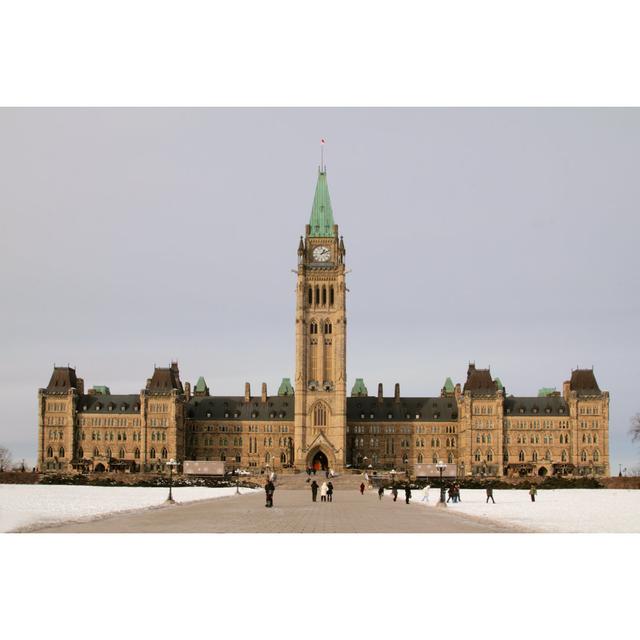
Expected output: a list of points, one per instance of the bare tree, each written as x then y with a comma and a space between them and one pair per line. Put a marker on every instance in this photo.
5, 458
635, 428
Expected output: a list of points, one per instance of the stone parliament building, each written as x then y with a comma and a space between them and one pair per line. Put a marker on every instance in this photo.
476, 428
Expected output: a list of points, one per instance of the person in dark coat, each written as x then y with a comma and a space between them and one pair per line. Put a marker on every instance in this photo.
380, 492
532, 493
269, 488
407, 493
329, 491
490, 495
456, 486
362, 488
394, 492
314, 491
451, 493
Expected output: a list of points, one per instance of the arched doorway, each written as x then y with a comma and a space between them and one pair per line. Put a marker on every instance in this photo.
99, 468
319, 462
542, 471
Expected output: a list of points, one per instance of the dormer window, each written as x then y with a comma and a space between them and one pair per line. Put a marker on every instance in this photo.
521, 409
389, 415
362, 416
84, 407
561, 410
371, 415
236, 415
418, 416
226, 414
98, 407
407, 416
110, 407
208, 414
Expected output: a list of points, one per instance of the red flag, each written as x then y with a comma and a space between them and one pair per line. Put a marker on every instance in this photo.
322, 140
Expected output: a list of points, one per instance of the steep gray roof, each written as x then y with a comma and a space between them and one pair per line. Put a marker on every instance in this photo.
535, 406
235, 408
111, 404
428, 409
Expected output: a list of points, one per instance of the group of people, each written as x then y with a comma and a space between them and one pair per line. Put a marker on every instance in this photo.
453, 493
326, 491
394, 492
329, 473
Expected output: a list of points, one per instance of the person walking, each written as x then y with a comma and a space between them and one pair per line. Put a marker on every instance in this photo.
532, 492
362, 487
394, 492
269, 489
380, 492
425, 493
407, 493
457, 488
323, 492
329, 491
314, 490
451, 492
490, 495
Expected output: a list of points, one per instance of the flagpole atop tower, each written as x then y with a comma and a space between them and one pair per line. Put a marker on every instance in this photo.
322, 167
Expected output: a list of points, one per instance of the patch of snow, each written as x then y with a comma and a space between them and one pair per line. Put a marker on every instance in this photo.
28, 506
557, 510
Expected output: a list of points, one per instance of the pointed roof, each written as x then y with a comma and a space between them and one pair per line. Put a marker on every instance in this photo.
448, 386
201, 387
358, 388
321, 221
285, 387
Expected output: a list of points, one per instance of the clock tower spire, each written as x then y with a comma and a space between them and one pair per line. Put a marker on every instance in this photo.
321, 336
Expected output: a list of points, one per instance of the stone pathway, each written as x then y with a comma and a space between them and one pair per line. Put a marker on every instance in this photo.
293, 512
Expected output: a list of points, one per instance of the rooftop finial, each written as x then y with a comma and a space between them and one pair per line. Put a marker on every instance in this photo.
323, 169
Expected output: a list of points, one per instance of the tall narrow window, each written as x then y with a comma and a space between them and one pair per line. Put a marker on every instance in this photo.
521, 456
164, 453
317, 295
137, 454
324, 296
331, 297
49, 452
152, 453
121, 453
61, 452
310, 296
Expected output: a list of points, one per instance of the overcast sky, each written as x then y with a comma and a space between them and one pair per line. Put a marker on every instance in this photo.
507, 237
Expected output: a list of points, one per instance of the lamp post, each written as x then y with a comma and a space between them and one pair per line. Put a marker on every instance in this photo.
441, 466
171, 464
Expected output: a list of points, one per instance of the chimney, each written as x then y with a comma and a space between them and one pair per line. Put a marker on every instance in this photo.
80, 386
566, 389
397, 392
247, 392
187, 390
380, 394
264, 392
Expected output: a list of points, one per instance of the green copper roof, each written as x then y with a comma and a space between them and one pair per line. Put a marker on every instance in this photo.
358, 388
546, 391
321, 222
101, 389
201, 385
448, 386
285, 387
498, 383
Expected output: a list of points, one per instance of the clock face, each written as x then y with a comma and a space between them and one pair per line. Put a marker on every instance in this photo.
321, 254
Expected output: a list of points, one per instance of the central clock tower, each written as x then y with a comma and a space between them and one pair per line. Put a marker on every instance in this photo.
321, 340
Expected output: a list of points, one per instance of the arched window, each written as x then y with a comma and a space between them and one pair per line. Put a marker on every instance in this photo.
223, 455
283, 457
164, 453
267, 457
450, 458
583, 456
434, 458
152, 453
61, 452
324, 296
121, 453
420, 458
535, 456
317, 295
490, 456
137, 454
80, 453
521, 456
547, 455
49, 452
477, 456
563, 456
108, 453
331, 296
319, 416
96, 453
310, 296
153, 436
596, 456
327, 327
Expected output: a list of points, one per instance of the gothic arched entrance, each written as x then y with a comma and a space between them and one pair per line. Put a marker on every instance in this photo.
319, 462
99, 468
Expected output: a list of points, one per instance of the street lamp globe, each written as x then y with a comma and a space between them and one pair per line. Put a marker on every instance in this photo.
171, 464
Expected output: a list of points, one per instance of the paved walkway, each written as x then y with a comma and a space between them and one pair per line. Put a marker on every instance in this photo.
293, 512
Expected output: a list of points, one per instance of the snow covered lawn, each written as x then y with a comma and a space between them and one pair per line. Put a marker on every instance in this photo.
560, 510
29, 505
